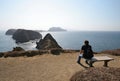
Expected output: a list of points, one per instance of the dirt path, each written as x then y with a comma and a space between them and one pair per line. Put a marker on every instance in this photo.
44, 68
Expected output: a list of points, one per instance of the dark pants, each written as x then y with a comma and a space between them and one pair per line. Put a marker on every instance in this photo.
79, 58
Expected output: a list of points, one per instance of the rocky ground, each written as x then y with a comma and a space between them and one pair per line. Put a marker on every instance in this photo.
46, 67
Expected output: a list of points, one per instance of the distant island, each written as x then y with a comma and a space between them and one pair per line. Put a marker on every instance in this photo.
56, 29
12, 31
22, 35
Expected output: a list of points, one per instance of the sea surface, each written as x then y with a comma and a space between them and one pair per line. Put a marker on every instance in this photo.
99, 40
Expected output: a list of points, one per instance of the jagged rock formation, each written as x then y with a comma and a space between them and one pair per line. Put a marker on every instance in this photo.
56, 29
22, 35
10, 31
48, 43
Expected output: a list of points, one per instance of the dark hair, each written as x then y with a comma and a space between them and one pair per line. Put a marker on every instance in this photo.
86, 42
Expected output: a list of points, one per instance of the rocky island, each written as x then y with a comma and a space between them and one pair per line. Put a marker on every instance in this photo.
53, 29
22, 35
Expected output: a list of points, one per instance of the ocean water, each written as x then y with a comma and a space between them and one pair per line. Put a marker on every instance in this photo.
99, 40
7, 43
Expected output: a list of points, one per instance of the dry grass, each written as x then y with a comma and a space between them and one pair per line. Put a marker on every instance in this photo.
115, 52
45, 67
97, 74
18, 52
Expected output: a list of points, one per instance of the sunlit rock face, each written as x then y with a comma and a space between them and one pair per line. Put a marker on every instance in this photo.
48, 42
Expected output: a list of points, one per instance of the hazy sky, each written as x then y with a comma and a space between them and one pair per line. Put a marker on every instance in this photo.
68, 14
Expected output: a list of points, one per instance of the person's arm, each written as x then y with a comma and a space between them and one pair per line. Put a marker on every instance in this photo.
81, 51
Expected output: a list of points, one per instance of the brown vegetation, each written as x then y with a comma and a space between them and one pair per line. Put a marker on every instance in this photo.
23, 53
115, 52
18, 51
97, 74
55, 51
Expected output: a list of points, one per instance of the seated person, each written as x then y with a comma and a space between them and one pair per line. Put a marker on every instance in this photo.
85, 52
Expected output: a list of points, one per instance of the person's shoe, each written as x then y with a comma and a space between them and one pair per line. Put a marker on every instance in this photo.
87, 62
91, 63
91, 66
78, 62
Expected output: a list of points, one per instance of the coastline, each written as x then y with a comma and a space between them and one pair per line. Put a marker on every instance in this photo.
31, 53
99, 40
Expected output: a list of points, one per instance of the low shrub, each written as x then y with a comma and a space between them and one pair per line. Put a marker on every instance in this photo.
23, 53
115, 52
43, 52
13, 54
1, 54
69, 51
18, 49
28, 54
97, 74
55, 51
33, 53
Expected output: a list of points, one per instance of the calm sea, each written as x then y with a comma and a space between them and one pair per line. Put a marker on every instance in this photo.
69, 40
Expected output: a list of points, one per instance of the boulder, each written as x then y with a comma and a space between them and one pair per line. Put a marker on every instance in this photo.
47, 43
10, 31
22, 35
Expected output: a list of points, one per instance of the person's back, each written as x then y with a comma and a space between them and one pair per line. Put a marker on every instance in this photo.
87, 51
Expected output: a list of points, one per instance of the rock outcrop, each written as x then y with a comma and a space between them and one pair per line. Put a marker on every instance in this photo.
10, 31
56, 29
22, 35
48, 43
